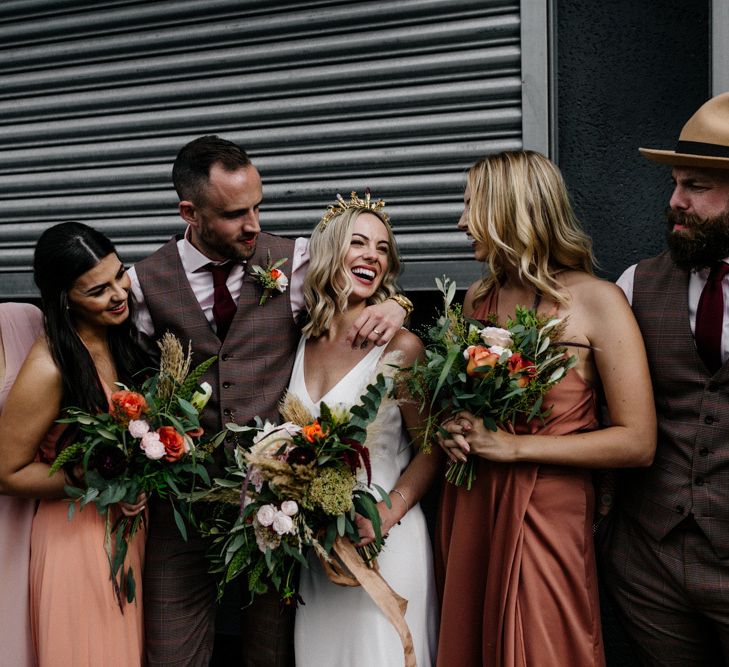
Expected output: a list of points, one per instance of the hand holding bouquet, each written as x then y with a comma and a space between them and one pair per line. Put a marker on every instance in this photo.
148, 442
299, 487
498, 373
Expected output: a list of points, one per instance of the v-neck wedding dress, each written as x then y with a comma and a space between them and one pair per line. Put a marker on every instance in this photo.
338, 625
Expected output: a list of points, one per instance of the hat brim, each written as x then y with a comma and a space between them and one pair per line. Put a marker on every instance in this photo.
684, 159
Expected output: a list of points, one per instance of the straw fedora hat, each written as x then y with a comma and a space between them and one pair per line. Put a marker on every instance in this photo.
704, 140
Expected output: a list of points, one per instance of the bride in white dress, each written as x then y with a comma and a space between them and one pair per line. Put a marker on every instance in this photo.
353, 263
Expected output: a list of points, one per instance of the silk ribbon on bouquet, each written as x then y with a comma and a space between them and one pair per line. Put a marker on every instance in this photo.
348, 569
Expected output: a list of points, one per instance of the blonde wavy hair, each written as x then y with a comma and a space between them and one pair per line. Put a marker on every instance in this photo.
327, 285
520, 212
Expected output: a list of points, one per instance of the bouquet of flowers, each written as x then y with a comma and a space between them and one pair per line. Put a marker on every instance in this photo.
295, 490
148, 442
499, 373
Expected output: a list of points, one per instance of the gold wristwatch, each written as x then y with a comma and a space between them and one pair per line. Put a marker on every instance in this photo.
405, 303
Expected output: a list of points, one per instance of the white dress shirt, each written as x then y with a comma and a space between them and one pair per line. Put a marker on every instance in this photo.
697, 280
201, 282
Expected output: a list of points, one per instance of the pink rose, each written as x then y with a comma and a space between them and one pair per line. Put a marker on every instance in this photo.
266, 514
138, 427
152, 446
289, 507
282, 523
496, 336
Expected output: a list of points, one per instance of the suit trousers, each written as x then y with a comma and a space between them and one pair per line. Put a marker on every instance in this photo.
672, 595
179, 605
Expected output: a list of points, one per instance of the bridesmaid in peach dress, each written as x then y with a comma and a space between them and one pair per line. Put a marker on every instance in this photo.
89, 345
515, 560
20, 325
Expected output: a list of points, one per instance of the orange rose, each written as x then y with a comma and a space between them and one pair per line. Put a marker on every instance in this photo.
313, 431
480, 356
174, 443
127, 405
520, 366
276, 274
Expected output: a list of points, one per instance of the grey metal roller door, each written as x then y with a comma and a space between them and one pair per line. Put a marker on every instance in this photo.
97, 97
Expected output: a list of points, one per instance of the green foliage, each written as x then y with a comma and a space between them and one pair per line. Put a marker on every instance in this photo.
312, 465
510, 384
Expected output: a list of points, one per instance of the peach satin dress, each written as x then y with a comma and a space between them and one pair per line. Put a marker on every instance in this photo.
515, 560
20, 325
75, 617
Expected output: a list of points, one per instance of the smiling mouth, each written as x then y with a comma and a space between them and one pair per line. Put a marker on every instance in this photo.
119, 308
364, 274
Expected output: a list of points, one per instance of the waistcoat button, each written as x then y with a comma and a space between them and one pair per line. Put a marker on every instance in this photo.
699, 481
227, 412
704, 451
679, 509
709, 419
226, 385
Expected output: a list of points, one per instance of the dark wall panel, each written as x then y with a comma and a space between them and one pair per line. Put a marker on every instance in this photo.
630, 73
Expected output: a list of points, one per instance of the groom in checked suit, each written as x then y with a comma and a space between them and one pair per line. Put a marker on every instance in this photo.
200, 287
668, 557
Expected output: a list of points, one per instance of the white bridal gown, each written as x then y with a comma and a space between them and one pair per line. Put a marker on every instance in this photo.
339, 625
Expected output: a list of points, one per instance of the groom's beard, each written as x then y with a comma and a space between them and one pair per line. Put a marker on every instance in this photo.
701, 243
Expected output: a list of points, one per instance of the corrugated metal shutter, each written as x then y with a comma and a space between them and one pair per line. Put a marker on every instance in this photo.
96, 99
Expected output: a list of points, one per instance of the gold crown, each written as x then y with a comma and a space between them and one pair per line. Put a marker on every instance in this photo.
340, 206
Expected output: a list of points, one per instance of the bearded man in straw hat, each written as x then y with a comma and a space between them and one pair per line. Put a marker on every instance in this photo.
667, 561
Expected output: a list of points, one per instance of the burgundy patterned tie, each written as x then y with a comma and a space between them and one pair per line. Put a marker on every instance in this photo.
710, 318
223, 307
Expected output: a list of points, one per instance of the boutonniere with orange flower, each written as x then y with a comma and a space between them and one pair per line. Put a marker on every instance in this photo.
148, 442
271, 278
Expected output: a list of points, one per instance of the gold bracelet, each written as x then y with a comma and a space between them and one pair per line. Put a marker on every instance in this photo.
405, 303
399, 493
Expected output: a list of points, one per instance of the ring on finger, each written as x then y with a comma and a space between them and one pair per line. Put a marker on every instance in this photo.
378, 333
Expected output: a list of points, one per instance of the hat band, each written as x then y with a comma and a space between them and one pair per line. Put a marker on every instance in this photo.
701, 148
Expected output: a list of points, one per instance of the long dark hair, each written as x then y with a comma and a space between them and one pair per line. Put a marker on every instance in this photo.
63, 253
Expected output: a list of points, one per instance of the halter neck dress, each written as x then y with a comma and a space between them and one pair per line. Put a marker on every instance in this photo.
515, 560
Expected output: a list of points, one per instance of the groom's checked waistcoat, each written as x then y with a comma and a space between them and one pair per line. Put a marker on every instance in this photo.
255, 360
690, 473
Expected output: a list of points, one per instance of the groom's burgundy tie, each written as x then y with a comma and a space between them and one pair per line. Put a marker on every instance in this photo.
710, 318
223, 305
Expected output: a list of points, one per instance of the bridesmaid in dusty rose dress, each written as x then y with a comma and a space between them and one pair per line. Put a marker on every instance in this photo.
89, 345
20, 325
515, 557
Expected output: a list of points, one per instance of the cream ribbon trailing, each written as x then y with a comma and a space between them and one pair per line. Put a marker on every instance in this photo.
358, 574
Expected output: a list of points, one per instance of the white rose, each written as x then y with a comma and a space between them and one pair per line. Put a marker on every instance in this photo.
201, 397
272, 437
496, 336
266, 514
289, 507
497, 349
152, 446
138, 427
282, 524
282, 282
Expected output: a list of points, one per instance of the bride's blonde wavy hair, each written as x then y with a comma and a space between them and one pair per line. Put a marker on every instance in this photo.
327, 285
520, 212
